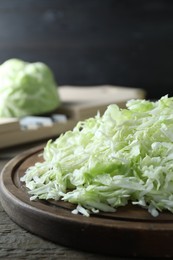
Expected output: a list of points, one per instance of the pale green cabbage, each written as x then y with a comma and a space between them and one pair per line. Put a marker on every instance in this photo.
26, 89
124, 156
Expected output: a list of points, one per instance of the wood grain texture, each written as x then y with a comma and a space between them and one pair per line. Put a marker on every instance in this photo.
127, 43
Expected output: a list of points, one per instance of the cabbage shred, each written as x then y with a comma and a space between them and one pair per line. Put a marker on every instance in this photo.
124, 156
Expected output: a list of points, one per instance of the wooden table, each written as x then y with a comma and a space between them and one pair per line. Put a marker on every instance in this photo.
17, 243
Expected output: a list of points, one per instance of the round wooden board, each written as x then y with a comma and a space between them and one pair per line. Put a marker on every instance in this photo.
130, 231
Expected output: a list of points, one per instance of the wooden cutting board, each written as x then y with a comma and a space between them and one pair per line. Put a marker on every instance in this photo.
130, 231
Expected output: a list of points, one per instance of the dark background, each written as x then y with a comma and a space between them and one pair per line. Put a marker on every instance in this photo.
127, 43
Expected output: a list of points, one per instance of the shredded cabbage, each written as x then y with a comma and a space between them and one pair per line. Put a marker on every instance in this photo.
124, 156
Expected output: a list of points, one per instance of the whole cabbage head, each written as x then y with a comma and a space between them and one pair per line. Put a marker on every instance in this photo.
27, 89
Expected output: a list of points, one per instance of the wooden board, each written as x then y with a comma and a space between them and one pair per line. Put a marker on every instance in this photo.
130, 231
78, 103
41, 133
9, 125
82, 102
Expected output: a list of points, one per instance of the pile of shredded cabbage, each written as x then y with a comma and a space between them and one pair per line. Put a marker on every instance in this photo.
124, 156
